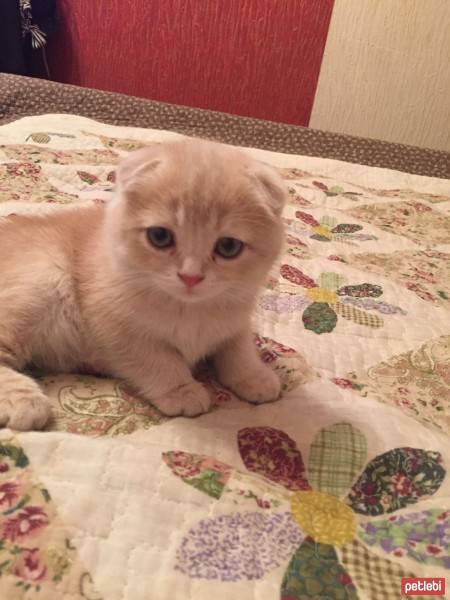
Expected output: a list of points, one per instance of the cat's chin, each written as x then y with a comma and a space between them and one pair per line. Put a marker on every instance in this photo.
184, 296
192, 297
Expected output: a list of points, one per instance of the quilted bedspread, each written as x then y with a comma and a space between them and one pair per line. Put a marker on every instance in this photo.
337, 491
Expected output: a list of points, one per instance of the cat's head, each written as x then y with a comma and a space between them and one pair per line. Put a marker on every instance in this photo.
197, 220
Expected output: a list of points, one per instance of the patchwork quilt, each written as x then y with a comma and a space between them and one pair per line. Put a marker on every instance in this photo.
337, 491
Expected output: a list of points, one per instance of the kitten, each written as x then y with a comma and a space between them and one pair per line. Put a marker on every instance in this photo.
144, 287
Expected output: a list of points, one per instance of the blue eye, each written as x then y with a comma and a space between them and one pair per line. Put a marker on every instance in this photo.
228, 247
160, 237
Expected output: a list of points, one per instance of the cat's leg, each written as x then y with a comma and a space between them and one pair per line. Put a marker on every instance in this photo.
164, 378
240, 369
23, 405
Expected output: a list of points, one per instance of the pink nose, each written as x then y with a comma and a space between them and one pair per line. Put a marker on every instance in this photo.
190, 280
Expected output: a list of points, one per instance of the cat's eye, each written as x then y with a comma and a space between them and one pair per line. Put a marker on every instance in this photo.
160, 237
228, 247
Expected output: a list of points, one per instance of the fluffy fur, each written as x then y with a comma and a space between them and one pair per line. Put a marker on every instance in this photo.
82, 288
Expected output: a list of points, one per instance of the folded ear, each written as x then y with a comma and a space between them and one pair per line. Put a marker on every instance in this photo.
272, 186
138, 167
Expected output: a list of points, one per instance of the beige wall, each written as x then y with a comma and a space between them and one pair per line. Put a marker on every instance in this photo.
386, 72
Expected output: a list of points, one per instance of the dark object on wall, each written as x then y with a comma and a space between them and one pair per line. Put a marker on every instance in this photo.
24, 27
12, 59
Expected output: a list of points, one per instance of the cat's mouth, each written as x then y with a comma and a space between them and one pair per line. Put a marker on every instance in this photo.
193, 294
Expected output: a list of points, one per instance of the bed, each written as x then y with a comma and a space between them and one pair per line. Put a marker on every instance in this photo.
338, 491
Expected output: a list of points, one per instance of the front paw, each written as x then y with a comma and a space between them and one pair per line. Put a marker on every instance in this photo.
260, 385
25, 409
188, 400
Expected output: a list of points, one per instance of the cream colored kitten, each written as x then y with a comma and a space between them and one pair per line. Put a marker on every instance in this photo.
146, 286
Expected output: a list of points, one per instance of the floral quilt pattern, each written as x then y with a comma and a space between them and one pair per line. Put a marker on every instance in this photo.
26, 181
310, 524
94, 406
426, 273
337, 491
37, 556
38, 154
126, 144
412, 219
418, 382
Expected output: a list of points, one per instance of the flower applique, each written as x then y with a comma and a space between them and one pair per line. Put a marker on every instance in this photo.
296, 199
335, 190
323, 301
329, 230
321, 525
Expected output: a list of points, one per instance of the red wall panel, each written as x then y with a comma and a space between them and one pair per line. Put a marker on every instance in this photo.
250, 57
